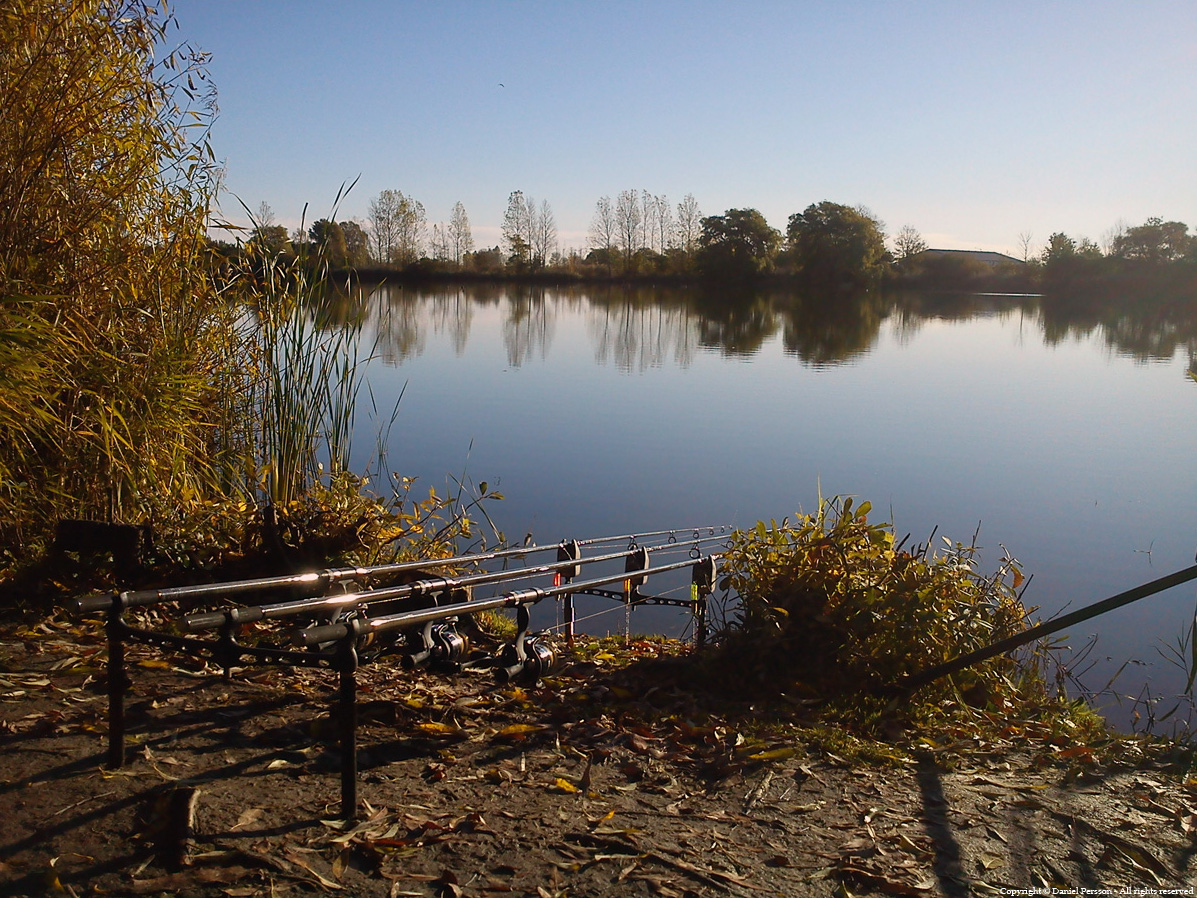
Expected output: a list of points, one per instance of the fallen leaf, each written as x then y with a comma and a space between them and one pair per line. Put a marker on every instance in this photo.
297, 859
248, 816
433, 728
776, 754
517, 731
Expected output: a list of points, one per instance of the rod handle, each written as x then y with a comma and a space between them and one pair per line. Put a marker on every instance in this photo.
507, 674
99, 602
316, 635
205, 621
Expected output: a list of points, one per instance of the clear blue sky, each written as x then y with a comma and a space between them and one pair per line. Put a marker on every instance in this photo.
973, 122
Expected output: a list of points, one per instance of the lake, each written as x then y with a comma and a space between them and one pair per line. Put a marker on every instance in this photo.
1068, 440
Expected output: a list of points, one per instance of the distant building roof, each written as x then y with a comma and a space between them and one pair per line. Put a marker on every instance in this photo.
977, 255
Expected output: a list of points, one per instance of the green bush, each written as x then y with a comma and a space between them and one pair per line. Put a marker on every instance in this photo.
831, 610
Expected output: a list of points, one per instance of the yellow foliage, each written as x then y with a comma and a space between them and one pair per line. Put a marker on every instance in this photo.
113, 348
829, 603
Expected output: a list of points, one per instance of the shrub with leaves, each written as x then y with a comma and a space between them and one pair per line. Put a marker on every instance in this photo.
113, 347
134, 386
830, 608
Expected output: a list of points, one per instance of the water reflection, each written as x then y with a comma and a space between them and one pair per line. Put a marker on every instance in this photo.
821, 333
736, 324
528, 326
640, 328
636, 339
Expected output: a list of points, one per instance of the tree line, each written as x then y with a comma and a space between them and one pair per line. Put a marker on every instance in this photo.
1157, 251
637, 234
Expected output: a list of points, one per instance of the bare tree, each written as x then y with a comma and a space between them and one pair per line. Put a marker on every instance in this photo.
648, 219
383, 216
627, 223
908, 242
664, 219
1024, 243
689, 224
603, 229
461, 238
397, 227
440, 243
544, 233
264, 217
1112, 239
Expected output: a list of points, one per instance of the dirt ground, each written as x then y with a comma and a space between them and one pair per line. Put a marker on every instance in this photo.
603, 779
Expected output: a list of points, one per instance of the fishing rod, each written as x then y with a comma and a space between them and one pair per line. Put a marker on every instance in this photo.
332, 604
914, 681
321, 580
371, 626
632, 537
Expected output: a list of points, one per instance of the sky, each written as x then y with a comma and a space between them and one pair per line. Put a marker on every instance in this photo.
976, 123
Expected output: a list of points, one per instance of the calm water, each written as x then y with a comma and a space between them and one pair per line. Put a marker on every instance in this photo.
1070, 444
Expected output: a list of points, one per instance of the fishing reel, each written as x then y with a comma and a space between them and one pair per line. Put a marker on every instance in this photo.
538, 659
438, 643
530, 657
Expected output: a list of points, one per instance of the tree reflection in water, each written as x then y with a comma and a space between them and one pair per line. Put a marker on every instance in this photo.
641, 327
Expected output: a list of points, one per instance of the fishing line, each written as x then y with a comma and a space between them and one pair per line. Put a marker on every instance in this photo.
611, 610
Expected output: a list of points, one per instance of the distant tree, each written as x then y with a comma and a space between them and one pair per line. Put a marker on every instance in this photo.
1024, 243
1110, 239
439, 244
397, 225
413, 224
384, 224
266, 235
485, 260
648, 220
544, 234
517, 228
664, 222
328, 239
271, 240
357, 244
1155, 241
604, 257
604, 231
627, 225
1060, 247
836, 245
908, 243
263, 217
1070, 267
688, 225
461, 238
739, 244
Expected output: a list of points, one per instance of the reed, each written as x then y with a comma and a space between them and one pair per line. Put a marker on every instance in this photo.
307, 372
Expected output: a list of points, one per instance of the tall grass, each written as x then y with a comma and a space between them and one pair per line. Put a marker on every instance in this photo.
308, 372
